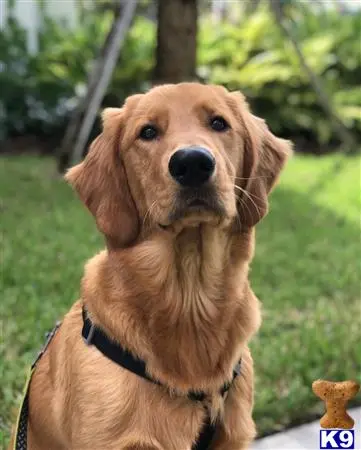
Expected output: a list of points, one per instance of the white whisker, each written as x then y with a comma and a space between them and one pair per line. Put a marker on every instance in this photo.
251, 178
147, 214
250, 197
243, 204
244, 191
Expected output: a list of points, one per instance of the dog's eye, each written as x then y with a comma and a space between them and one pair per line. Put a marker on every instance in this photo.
219, 124
148, 133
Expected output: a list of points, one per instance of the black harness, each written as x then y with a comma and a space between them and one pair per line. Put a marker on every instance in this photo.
94, 335
21, 437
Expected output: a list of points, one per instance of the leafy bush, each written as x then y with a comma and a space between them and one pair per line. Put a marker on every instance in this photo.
33, 93
39, 91
254, 56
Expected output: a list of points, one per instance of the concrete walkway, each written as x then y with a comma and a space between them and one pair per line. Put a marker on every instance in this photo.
305, 436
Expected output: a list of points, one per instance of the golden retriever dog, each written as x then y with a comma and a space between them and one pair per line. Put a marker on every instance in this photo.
176, 182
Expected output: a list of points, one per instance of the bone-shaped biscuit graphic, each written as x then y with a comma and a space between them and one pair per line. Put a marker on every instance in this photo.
336, 395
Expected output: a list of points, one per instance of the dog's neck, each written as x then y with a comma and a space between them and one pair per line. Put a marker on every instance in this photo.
180, 301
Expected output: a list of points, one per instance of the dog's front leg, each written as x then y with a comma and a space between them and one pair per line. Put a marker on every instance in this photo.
237, 429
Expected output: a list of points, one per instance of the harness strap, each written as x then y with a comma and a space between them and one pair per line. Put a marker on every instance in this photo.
208, 431
93, 335
206, 436
21, 437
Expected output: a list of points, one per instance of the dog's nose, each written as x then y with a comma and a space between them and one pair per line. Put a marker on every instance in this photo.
192, 166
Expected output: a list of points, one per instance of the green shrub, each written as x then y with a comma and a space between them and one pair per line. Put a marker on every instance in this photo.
38, 92
255, 57
33, 94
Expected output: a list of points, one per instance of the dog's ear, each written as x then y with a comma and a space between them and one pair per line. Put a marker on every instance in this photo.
263, 159
101, 183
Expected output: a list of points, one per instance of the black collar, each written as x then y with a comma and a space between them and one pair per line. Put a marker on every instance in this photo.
94, 335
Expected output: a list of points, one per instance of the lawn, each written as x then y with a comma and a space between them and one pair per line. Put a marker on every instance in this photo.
306, 271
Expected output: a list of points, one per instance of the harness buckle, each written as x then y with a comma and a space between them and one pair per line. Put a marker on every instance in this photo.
89, 338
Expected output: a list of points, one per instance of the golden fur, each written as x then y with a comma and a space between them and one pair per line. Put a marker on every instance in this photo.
174, 292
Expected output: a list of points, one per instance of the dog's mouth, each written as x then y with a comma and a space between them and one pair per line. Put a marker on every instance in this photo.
195, 206
197, 203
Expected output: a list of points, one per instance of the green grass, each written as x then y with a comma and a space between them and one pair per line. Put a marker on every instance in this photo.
306, 271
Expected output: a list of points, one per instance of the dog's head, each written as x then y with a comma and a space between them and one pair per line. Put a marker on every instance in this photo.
180, 154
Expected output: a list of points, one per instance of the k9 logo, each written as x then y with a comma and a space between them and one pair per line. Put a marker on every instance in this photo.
337, 439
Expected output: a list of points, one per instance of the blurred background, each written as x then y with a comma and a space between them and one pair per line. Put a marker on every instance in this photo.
298, 63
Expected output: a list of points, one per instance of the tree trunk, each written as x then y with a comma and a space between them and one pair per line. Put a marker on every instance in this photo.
177, 41
251, 6
77, 133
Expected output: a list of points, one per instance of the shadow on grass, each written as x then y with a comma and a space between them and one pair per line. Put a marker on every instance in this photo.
307, 274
